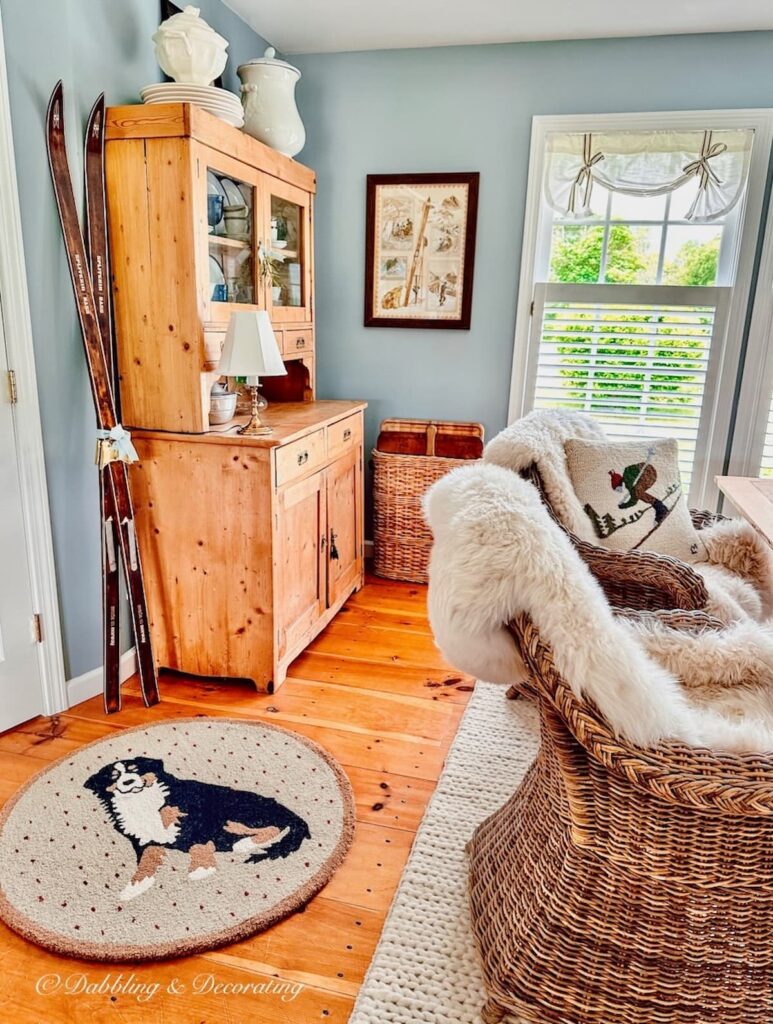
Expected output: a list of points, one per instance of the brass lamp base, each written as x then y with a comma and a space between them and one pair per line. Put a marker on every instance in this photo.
253, 427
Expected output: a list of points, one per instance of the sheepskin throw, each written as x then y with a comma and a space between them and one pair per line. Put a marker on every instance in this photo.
739, 570
539, 439
497, 552
631, 492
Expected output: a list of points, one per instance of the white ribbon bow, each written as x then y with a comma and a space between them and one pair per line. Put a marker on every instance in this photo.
584, 180
120, 442
701, 167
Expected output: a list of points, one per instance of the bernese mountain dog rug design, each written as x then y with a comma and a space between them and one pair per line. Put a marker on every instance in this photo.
171, 839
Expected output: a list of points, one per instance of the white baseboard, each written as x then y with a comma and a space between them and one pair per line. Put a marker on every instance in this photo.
90, 683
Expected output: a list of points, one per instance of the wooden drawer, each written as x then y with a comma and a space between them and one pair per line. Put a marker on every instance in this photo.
299, 458
344, 434
298, 341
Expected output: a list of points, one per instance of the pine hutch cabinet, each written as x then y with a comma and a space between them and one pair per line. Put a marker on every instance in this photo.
250, 545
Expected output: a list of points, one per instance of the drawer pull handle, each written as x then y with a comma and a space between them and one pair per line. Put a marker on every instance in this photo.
303, 458
333, 549
347, 434
300, 342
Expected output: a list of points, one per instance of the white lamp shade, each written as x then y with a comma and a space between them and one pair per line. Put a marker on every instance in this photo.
251, 349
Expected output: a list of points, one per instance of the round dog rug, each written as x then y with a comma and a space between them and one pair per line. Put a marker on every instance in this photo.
172, 838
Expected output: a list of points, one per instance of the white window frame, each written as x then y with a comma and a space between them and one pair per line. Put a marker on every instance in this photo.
29, 437
717, 414
756, 383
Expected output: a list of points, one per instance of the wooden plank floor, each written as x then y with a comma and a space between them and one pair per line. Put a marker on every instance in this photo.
374, 691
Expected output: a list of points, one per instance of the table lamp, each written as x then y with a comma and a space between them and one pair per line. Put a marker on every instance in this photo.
251, 351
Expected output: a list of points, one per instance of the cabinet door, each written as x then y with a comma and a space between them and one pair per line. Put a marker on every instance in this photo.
287, 247
300, 560
231, 213
344, 523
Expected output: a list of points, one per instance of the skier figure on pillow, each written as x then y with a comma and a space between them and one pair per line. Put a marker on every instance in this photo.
637, 480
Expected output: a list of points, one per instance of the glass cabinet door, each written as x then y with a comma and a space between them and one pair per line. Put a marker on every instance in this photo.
232, 251
286, 262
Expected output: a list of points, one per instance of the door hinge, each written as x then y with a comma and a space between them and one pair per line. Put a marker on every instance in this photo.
37, 628
531, 309
13, 392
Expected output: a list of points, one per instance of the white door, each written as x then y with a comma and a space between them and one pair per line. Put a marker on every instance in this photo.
21, 690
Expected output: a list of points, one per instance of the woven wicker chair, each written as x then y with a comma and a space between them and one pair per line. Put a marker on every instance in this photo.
640, 580
620, 885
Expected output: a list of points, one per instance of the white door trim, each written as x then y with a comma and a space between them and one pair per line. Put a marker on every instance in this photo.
761, 119
29, 437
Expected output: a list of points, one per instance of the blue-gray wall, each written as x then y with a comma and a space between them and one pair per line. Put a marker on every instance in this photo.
460, 109
93, 45
413, 110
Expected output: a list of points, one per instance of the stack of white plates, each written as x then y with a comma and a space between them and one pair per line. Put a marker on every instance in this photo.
220, 102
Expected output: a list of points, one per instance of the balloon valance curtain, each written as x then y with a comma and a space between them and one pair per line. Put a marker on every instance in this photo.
648, 163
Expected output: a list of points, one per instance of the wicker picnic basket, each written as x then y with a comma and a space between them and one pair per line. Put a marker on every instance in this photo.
402, 540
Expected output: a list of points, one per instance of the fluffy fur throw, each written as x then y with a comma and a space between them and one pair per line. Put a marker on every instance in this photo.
539, 438
497, 552
739, 571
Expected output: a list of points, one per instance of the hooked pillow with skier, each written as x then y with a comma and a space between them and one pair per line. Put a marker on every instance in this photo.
637, 479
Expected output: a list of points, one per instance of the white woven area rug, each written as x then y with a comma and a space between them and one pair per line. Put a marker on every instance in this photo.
425, 968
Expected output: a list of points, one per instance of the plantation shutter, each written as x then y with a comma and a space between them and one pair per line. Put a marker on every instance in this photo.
638, 358
766, 464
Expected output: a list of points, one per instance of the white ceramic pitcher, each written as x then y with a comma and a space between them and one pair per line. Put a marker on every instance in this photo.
268, 96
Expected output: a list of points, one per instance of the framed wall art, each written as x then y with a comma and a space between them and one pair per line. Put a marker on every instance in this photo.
420, 249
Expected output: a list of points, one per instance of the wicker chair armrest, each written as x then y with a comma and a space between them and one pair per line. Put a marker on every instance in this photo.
688, 620
696, 779
677, 581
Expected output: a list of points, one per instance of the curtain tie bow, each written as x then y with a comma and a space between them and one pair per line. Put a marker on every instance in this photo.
115, 445
701, 167
584, 179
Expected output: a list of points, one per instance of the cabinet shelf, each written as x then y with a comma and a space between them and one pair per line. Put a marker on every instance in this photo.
224, 242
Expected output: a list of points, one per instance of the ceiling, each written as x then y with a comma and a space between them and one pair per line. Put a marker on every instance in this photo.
326, 26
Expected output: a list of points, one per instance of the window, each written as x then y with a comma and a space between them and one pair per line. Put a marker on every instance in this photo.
766, 463
639, 368
636, 270
751, 453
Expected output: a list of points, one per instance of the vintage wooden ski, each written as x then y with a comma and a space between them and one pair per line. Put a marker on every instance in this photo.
114, 445
99, 265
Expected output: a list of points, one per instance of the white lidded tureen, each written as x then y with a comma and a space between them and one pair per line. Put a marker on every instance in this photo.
189, 50
268, 96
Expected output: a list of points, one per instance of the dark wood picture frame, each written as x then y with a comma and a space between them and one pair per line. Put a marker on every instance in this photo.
462, 322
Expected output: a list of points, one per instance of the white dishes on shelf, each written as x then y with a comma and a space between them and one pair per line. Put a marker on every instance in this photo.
217, 280
216, 275
215, 186
223, 104
234, 196
233, 193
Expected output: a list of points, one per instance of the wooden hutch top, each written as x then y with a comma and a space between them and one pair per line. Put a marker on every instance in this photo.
180, 270
184, 120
